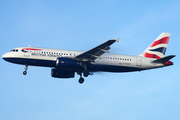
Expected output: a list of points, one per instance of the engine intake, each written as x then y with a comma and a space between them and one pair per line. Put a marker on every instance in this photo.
62, 73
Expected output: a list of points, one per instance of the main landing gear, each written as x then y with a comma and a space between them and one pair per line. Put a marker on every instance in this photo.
81, 79
85, 74
25, 72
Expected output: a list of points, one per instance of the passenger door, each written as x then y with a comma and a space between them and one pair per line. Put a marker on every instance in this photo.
138, 61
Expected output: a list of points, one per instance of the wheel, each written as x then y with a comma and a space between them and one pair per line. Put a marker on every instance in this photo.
25, 72
81, 80
86, 74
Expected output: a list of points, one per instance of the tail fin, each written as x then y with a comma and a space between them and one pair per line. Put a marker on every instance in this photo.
158, 48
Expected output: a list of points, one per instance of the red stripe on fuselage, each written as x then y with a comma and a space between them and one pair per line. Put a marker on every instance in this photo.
151, 55
30, 49
164, 40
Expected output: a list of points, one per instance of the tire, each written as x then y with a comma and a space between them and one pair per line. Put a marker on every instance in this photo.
81, 80
25, 72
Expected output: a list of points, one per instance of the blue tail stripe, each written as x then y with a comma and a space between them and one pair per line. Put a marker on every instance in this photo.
161, 49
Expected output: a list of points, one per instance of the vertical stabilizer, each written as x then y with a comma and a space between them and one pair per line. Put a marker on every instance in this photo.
158, 48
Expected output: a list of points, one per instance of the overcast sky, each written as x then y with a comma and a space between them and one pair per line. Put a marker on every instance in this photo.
82, 25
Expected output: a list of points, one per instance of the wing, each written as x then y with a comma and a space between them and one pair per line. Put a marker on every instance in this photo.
96, 52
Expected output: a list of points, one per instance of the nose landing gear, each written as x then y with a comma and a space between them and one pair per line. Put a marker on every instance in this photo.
25, 72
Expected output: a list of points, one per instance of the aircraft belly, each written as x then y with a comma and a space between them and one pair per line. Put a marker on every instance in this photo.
112, 68
31, 61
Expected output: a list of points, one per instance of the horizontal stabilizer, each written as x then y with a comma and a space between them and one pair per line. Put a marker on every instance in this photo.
164, 59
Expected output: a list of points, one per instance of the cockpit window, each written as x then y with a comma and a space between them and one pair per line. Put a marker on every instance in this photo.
14, 50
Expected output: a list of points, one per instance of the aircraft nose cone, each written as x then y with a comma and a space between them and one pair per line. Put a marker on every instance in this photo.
5, 56
8, 57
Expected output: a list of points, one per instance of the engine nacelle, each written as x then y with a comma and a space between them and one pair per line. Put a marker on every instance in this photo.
62, 73
67, 62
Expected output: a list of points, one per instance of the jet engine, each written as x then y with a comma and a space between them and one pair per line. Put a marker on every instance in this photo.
67, 62
57, 73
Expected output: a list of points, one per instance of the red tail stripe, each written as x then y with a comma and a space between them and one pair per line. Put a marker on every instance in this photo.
164, 40
30, 49
151, 55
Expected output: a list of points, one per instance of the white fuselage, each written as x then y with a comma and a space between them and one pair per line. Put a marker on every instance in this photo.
65, 63
107, 62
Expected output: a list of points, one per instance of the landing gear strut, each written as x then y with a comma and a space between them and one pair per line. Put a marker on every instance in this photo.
81, 79
25, 72
85, 74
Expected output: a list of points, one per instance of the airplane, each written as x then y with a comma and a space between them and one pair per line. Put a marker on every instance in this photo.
65, 63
